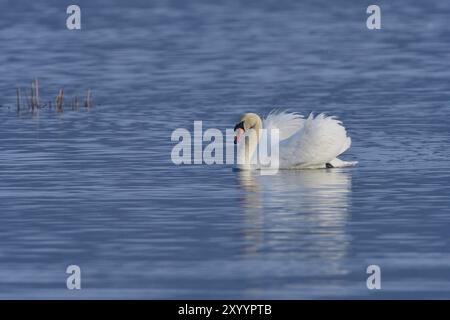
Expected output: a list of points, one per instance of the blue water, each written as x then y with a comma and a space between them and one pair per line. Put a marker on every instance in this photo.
97, 188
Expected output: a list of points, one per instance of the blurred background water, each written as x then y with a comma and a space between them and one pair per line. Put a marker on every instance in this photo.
98, 189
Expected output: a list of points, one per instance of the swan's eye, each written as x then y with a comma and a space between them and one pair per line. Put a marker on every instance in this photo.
240, 125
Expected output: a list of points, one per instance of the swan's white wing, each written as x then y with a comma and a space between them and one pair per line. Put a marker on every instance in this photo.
288, 123
320, 140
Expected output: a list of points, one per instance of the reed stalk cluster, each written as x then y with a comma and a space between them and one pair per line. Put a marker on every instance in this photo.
33, 102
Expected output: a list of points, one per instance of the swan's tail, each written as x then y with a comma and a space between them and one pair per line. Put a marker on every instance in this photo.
346, 146
338, 163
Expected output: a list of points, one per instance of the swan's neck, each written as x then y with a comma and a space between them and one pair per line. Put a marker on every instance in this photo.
246, 152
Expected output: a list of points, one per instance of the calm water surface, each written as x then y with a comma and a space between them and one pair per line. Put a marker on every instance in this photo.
98, 189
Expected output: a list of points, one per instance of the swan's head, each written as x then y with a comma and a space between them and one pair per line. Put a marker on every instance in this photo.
246, 122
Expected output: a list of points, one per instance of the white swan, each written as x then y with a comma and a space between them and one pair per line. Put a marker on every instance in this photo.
310, 143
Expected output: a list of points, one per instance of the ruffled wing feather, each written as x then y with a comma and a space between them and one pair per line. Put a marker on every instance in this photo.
320, 140
287, 122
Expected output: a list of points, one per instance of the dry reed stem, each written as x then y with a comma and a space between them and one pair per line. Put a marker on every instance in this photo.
36, 88
18, 98
88, 103
32, 96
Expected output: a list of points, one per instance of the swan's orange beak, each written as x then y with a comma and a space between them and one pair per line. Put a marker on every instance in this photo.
239, 132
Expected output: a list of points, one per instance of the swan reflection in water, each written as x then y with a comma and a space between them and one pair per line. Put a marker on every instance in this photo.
301, 213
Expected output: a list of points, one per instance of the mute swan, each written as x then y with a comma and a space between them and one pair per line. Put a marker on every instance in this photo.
310, 143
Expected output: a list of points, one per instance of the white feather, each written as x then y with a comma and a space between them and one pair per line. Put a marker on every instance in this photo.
309, 143
287, 123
